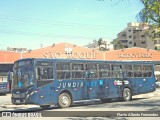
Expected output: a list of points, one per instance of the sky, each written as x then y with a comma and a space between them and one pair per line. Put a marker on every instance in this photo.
33, 24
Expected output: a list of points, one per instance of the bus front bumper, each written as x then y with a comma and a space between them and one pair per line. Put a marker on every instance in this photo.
18, 101
18, 98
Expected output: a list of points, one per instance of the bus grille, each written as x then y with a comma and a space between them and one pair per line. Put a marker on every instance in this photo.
20, 95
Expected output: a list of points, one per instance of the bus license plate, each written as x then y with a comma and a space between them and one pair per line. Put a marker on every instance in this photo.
17, 101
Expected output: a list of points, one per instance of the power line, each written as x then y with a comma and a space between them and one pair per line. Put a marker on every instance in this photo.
45, 34
54, 23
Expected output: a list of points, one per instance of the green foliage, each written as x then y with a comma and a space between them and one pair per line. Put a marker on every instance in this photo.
117, 44
100, 41
150, 13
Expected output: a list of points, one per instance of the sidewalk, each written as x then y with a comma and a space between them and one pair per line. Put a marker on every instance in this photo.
12, 107
152, 94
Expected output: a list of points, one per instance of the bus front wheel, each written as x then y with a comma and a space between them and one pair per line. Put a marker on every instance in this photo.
64, 100
127, 95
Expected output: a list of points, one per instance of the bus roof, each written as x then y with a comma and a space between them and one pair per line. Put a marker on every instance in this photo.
84, 60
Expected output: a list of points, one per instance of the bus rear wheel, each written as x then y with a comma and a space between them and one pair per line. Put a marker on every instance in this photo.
44, 106
127, 95
64, 100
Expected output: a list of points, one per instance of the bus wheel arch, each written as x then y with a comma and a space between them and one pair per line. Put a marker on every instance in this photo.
126, 94
67, 96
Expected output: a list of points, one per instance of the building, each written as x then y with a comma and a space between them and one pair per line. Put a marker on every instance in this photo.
70, 51
105, 45
135, 35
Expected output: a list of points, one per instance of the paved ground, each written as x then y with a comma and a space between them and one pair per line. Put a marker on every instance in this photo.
152, 94
10, 106
144, 102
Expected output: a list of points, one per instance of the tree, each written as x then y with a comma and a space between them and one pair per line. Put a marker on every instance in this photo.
100, 41
117, 44
150, 13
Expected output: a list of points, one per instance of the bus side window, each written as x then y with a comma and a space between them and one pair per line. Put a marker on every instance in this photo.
137, 70
117, 71
104, 70
147, 70
129, 74
45, 73
91, 70
63, 70
50, 73
78, 71
128, 70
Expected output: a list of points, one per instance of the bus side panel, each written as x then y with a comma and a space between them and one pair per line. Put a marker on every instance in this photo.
102, 89
132, 85
113, 89
46, 95
75, 87
145, 85
94, 88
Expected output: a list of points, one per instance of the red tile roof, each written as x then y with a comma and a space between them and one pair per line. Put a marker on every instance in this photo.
78, 52
9, 57
134, 53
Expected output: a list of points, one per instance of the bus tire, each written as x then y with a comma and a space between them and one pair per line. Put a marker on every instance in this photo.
106, 100
44, 106
127, 94
64, 100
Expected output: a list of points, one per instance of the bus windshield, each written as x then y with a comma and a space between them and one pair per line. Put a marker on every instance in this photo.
23, 74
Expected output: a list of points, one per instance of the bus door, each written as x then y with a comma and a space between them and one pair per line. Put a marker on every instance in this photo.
44, 71
78, 77
104, 81
91, 82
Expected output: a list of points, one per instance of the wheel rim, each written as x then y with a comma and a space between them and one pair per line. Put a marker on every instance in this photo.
65, 100
127, 95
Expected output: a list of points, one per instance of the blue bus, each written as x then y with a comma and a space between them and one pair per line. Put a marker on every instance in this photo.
61, 82
4, 84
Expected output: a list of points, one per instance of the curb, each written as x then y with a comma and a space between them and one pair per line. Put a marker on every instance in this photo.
17, 106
